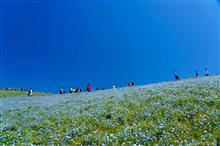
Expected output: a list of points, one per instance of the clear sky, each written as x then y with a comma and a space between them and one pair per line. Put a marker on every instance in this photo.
49, 44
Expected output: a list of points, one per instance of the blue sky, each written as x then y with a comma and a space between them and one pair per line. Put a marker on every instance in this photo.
49, 44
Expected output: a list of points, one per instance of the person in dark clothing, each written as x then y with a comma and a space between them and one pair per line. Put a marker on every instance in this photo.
71, 90
129, 84
197, 74
176, 76
78, 90
30, 92
132, 84
206, 72
88, 88
61, 90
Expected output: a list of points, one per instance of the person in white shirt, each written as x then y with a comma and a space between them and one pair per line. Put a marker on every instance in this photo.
71, 90
113, 87
30, 93
61, 90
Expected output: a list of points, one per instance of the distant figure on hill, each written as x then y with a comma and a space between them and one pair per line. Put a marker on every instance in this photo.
206, 72
78, 90
197, 74
30, 92
61, 90
130, 84
176, 74
113, 86
88, 88
71, 90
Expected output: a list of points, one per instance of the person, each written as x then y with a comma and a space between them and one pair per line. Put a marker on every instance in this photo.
197, 74
77, 90
61, 90
88, 88
71, 90
113, 87
129, 84
206, 72
132, 84
176, 76
30, 92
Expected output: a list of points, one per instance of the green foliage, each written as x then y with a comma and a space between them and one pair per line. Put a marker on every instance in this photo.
5, 93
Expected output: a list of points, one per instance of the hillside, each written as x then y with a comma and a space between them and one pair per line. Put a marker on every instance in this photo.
16, 93
172, 113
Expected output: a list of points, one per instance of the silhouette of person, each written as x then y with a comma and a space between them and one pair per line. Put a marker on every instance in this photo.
61, 90
176, 75
206, 72
30, 92
71, 90
197, 74
88, 88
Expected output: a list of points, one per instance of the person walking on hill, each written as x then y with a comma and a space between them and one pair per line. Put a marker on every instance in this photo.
206, 72
78, 90
197, 74
88, 88
132, 84
71, 90
176, 74
30, 92
61, 90
113, 87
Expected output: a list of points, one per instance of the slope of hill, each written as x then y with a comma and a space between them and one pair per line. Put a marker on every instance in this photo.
185, 112
13, 93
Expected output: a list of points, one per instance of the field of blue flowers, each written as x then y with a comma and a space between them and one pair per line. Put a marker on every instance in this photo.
174, 113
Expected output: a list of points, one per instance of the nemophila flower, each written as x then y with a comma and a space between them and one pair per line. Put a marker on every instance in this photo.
147, 115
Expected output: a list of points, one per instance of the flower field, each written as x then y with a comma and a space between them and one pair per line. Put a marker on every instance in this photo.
174, 113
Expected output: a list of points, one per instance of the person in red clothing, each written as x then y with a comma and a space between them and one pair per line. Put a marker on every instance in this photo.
88, 88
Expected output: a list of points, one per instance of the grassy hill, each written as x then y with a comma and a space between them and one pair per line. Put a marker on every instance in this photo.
13, 93
185, 112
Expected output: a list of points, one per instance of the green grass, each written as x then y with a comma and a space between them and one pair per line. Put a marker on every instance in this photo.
6, 93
